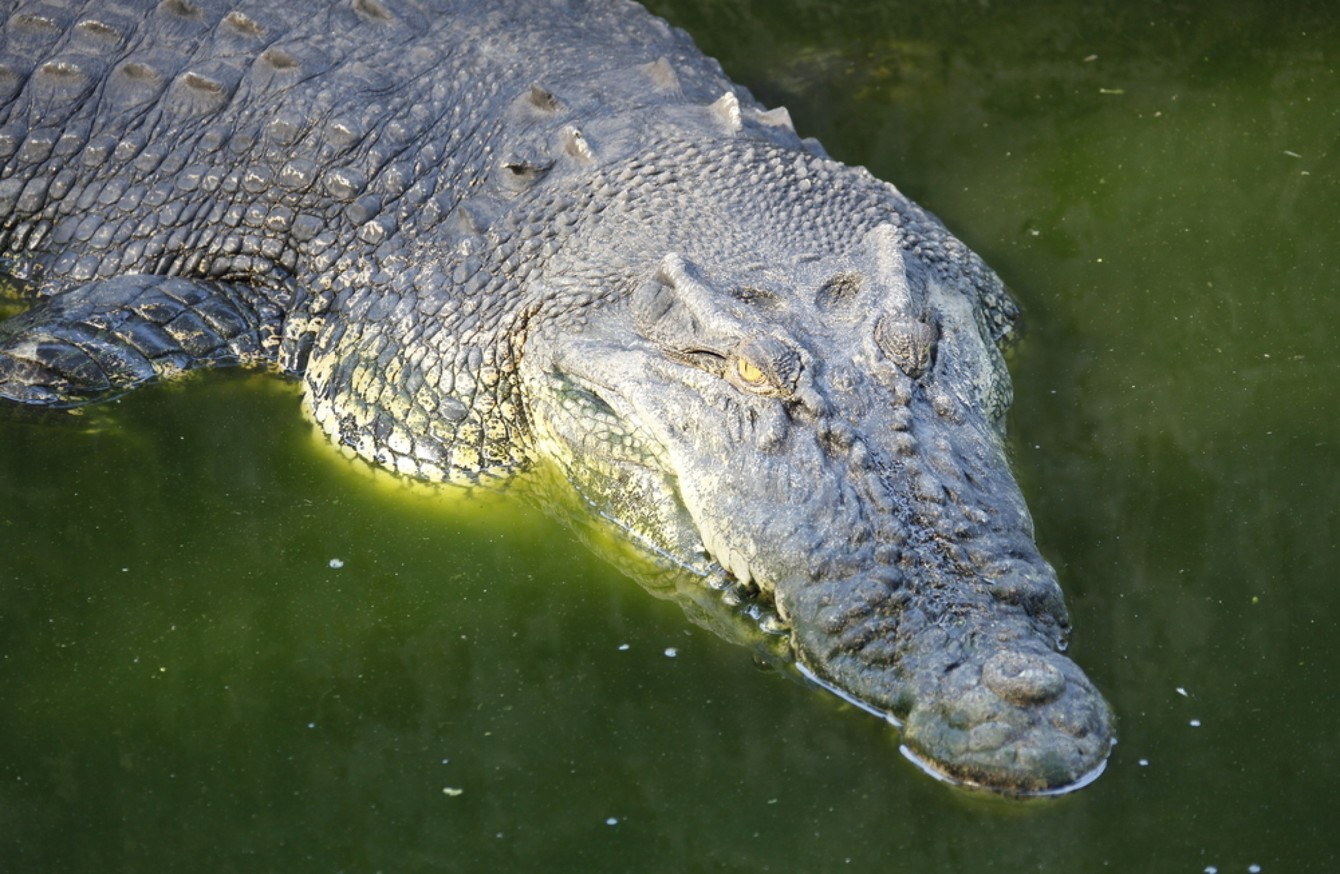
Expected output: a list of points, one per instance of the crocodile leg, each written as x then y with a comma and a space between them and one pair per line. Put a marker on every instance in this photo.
107, 337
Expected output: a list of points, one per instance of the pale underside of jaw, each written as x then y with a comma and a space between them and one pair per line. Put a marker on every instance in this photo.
928, 767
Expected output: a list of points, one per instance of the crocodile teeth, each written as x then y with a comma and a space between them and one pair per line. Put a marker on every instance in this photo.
731, 560
739, 568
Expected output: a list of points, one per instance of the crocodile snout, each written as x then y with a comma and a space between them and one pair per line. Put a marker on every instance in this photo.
1031, 725
984, 698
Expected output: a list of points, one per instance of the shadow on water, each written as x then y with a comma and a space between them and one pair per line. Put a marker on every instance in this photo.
223, 649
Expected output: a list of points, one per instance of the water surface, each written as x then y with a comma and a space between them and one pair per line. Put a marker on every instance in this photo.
222, 648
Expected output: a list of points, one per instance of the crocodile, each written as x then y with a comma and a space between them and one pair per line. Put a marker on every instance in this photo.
489, 236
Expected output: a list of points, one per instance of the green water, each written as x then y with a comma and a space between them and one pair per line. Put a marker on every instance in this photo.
187, 684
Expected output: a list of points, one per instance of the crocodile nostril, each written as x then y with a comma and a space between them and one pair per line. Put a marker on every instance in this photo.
1023, 679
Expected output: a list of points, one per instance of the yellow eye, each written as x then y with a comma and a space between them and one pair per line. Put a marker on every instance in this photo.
749, 373
764, 366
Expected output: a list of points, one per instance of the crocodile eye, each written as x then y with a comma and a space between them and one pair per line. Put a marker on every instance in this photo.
749, 373
764, 366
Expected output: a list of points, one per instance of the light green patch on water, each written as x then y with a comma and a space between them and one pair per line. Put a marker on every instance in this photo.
189, 682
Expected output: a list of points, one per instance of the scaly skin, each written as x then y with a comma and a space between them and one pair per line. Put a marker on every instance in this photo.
483, 234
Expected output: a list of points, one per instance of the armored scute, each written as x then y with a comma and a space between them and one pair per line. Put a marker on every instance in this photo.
486, 234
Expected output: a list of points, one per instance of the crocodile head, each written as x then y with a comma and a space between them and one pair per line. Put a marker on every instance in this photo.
831, 434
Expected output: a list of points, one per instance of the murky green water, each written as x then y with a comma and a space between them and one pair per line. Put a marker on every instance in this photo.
187, 683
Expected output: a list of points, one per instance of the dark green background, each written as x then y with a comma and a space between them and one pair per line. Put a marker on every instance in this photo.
186, 684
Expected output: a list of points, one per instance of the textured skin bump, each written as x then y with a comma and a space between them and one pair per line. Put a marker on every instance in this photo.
485, 234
